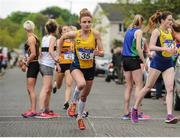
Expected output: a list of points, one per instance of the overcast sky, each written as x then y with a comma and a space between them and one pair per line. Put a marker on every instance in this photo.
8, 6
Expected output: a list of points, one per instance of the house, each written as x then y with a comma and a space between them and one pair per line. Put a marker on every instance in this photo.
109, 21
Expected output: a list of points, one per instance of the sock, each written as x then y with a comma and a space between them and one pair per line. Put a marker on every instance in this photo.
42, 110
54, 85
46, 110
76, 95
81, 106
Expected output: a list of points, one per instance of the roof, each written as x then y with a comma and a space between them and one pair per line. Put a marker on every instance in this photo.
113, 11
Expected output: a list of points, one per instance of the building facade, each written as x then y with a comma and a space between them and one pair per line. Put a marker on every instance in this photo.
109, 21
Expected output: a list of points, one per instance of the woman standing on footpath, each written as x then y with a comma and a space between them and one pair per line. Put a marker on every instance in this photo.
48, 60
87, 45
31, 65
132, 58
162, 43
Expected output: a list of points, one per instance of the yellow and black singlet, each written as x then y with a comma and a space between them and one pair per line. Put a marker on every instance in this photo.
84, 50
67, 52
165, 40
28, 52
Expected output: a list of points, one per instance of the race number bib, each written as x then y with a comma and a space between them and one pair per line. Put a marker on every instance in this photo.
69, 55
85, 54
168, 44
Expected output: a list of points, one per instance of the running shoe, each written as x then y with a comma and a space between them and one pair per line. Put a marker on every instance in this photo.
81, 123
29, 114
134, 115
44, 115
26, 112
170, 119
85, 114
76, 115
54, 90
71, 110
126, 117
66, 106
51, 113
142, 116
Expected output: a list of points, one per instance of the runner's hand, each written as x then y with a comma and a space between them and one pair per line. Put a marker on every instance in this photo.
170, 50
96, 52
24, 68
145, 67
58, 68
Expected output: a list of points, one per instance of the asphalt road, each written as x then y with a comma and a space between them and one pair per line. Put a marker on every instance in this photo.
105, 105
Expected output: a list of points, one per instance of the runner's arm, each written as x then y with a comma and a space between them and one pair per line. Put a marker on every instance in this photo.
32, 47
138, 46
99, 45
51, 49
68, 35
153, 40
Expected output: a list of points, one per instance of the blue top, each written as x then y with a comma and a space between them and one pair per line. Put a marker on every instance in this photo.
129, 45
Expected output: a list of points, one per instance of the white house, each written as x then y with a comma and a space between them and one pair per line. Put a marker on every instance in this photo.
109, 21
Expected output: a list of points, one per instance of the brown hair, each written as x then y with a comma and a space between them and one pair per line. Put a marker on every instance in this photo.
85, 12
73, 28
176, 26
51, 26
59, 30
156, 19
137, 21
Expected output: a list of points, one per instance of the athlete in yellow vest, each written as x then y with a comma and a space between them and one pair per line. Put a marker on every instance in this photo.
65, 59
87, 45
162, 43
166, 40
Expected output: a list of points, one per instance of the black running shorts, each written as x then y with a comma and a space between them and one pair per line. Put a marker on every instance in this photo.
88, 73
131, 63
33, 70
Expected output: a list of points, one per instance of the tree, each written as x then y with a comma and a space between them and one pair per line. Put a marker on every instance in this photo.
97, 21
12, 33
8, 31
18, 17
147, 7
56, 12
39, 21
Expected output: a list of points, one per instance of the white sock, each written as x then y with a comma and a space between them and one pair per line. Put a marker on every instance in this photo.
81, 106
76, 95
55, 84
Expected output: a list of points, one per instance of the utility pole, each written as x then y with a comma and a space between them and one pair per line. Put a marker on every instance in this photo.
70, 9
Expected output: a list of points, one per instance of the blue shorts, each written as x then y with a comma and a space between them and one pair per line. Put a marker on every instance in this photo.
161, 63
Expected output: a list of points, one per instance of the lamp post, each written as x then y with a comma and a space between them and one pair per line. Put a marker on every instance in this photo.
70, 9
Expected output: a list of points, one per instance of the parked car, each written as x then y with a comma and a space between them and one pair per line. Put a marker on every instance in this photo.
102, 64
115, 71
177, 86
